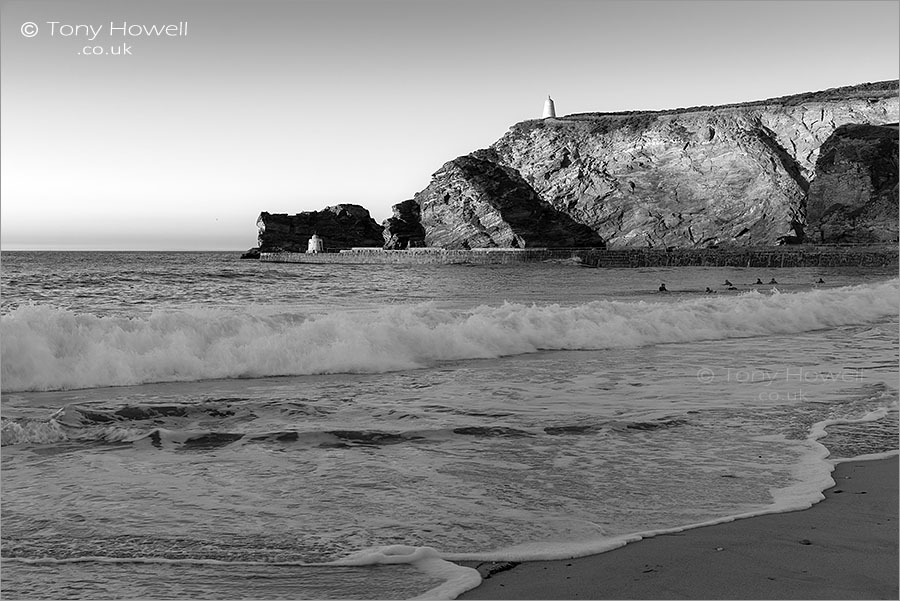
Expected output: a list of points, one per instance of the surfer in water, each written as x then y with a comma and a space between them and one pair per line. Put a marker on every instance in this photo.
662, 288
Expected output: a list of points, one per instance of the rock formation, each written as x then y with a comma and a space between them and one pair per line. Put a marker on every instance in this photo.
404, 229
341, 226
854, 196
754, 174
473, 202
701, 177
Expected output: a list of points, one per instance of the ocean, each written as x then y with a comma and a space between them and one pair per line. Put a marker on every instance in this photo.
190, 425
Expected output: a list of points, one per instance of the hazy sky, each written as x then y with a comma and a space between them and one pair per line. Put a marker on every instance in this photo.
179, 142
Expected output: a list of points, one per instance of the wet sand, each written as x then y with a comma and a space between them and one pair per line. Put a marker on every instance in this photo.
845, 547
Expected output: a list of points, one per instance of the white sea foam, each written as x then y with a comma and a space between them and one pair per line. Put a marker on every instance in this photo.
35, 431
45, 348
457, 579
50, 431
813, 477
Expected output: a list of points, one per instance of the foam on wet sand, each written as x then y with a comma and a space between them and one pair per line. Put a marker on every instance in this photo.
845, 547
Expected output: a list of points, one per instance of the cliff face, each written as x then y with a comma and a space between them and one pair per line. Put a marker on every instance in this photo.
854, 194
404, 229
782, 170
473, 202
341, 226
737, 174
693, 178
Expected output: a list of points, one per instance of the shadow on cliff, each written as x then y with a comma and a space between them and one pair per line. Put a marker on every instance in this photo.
475, 202
855, 196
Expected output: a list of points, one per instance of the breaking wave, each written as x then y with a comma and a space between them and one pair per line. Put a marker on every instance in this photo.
45, 348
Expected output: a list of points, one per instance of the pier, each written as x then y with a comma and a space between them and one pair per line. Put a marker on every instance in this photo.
773, 257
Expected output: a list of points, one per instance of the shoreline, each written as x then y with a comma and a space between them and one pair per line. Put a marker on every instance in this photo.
844, 547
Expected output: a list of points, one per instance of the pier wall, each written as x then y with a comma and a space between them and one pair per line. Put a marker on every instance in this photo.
773, 257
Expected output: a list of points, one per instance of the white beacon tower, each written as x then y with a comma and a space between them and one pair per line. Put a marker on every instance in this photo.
549, 109
316, 245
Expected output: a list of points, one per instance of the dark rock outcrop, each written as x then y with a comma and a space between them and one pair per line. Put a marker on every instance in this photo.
473, 202
404, 229
702, 177
854, 196
340, 226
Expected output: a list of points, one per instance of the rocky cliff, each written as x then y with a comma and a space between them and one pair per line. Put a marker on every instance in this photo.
699, 177
341, 226
775, 171
404, 228
473, 202
854, 194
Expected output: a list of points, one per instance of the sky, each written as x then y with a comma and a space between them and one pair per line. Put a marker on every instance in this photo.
176, 139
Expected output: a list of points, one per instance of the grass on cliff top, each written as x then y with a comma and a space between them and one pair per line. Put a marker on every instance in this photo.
877, 90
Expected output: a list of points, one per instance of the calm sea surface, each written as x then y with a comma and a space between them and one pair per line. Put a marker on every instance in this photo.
189, 425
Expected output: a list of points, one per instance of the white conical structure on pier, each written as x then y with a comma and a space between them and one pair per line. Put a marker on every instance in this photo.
316, 245
549, 109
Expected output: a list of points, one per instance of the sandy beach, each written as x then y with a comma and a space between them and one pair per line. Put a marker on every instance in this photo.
845, 547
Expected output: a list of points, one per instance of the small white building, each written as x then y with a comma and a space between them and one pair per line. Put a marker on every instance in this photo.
549, 109
316, 245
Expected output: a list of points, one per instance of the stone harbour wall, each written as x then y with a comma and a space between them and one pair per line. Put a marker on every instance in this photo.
789, 256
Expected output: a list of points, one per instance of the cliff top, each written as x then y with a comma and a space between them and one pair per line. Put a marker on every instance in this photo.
877, 90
